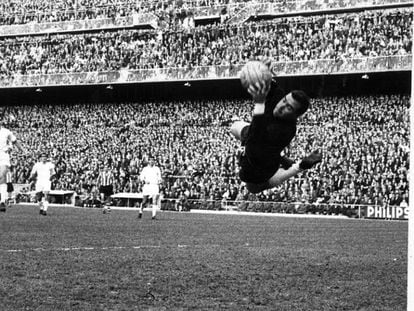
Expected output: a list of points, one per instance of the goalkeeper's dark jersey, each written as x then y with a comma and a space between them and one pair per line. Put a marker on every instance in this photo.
265, 139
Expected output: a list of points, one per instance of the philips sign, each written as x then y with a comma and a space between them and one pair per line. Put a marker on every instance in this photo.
390, 212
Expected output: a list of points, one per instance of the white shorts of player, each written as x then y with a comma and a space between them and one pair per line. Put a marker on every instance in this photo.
150, 189
4, 159
43, 185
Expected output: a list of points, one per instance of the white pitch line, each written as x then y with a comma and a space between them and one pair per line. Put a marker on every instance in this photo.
67, 249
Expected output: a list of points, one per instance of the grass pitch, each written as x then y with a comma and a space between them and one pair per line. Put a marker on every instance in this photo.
81, 259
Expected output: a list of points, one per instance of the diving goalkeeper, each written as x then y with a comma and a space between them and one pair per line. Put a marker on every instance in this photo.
272, 128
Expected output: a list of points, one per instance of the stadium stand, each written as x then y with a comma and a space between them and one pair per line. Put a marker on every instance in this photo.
338, 37
365, 140
190, 139
18, 12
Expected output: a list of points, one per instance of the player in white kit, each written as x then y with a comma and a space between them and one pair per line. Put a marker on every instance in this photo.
7, 141
43, 171
151, 176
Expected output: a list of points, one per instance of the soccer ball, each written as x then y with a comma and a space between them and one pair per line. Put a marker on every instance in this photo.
253, 72
106, 210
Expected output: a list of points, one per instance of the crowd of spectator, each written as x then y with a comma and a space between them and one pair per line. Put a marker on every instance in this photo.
17, 12
338, 37
364, 142
364, 139
41, 11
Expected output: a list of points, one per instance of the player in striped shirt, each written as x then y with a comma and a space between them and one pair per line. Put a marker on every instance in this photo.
106, 186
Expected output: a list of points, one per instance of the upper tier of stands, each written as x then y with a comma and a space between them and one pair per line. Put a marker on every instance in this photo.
362, 41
